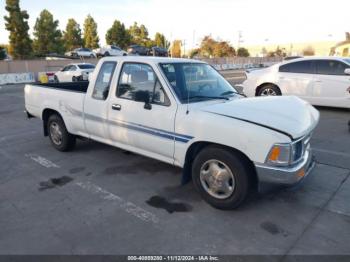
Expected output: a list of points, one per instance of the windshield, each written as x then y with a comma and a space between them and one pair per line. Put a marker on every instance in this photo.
196, 82
347, 60
86, 66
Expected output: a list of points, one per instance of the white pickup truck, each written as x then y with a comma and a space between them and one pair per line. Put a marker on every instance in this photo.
183, 112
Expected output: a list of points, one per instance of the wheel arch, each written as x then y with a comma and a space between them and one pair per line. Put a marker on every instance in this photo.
258, 88
198, 146
47, 112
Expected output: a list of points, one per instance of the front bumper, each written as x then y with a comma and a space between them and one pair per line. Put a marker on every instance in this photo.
286, 176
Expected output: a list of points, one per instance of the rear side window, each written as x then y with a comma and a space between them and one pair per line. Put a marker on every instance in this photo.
304, 67
330, 67
103, 81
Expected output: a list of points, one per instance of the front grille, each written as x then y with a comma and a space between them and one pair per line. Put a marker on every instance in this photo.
300, 147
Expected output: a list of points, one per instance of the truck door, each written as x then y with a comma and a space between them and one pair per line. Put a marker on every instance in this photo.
96, 104
146, 126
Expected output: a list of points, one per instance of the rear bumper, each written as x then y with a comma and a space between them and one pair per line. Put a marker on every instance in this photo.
286, 176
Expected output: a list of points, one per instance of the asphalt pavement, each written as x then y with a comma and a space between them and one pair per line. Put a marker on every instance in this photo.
99, 199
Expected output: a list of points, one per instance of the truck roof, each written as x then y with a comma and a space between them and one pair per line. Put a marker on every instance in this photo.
150, 59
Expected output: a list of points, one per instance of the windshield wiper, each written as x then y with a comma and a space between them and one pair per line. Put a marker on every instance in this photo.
209, 97
232, 92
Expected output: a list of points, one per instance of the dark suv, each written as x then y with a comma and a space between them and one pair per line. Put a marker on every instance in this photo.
138, 50
159, 51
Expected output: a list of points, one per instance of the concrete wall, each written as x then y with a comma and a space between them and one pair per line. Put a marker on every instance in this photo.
17, 78
35, 66
19, 71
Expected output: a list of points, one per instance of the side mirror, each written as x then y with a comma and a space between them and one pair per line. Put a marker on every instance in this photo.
347, 71
144, 96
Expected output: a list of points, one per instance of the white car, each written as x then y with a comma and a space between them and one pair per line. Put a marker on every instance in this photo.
322, 81
184, 113
81, 52
110, 50
74, 73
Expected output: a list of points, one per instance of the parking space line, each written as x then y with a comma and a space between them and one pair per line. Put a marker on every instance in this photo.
127, 206
42, 161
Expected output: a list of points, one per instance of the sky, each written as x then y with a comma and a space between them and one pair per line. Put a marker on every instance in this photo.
258, 21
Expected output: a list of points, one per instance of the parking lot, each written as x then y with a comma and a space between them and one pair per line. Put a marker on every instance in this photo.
101, 200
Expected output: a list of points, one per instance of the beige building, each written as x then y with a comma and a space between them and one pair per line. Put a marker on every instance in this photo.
341, 49
294, 49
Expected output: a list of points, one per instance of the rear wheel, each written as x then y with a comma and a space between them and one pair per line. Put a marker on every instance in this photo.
221, 177
60, 138
55, 79
269, 90
74, 79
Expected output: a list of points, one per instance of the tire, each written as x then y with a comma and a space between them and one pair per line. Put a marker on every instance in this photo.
269, 90
55, 78
106, 54
74, 79
60, 138
124, 54
231, 172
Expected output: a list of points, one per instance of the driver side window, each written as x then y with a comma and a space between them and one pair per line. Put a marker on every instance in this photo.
138, 80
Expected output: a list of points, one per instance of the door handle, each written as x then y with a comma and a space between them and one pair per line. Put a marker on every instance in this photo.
318, 81
116, 107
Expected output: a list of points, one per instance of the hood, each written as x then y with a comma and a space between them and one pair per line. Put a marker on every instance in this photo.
287, 114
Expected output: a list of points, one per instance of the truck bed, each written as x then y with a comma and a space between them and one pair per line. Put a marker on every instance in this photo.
68, 86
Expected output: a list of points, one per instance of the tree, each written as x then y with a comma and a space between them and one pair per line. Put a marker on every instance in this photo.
139, 34
3, 54
278, 52
264, 52
194, 53
91, 39
160, 40
212, 48
72, 35
17, 24
47, 36
207, 46
118, 35
223, 49
176, 48
308, 51
243, 52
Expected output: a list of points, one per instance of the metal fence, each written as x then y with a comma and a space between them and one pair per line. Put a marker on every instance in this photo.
36, 66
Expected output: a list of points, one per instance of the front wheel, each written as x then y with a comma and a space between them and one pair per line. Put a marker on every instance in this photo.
269, 90
221, 177
60, 138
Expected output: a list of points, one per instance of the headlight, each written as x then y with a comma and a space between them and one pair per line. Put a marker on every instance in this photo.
285, 154
280, 155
